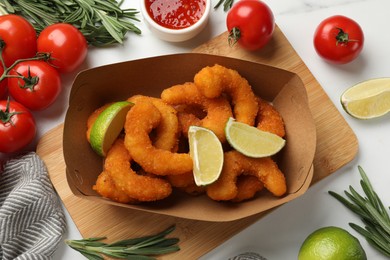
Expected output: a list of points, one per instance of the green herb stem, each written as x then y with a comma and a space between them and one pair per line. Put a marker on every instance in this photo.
102, 22
372, 212
227, 4
135, 248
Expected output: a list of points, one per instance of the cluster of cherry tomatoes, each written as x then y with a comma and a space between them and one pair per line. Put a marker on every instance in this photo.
30, 70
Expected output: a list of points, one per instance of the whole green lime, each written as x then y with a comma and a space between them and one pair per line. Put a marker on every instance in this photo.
331, 243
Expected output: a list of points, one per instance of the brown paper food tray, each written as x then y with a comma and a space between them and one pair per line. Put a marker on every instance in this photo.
150, 77
336, 146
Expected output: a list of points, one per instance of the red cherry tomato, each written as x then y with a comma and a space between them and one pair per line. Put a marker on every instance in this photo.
18, 38
39, 88
66, 44
338, 39
3, 85
251, 23
17, 126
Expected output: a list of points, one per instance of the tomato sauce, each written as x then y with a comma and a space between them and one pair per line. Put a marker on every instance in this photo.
176, 14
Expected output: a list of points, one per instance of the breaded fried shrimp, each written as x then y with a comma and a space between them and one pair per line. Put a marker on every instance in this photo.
236, 164
167, 132
217, 110
139, 187
213, 81
142, 118
106, 187
247, 187
268, 119
186, 183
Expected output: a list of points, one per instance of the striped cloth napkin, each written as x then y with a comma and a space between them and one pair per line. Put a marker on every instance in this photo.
32, 221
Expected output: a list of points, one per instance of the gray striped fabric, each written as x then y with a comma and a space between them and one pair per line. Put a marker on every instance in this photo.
32, 221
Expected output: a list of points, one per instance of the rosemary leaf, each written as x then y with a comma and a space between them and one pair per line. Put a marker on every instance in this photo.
373, 196
227, 4
92, 239
87, 254
8, 6
38, 9
103, 22
369, 238
108, 5
372, 212
75, 16
154, 250
354, 208
168, 242
136, 248
378, 217
109, 27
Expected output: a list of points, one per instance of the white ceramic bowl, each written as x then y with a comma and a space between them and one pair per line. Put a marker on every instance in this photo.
176, 35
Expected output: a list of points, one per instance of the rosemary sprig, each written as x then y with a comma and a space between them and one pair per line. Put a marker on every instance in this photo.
227, 4
102, 22
372, 212
142, 248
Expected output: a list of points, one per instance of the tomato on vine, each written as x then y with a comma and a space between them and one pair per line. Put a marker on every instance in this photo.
18, 38
250, 23
17, 126
66, 45
338, 39
3, 85
35, 84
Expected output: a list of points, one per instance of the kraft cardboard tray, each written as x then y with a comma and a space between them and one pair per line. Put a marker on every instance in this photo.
116, 82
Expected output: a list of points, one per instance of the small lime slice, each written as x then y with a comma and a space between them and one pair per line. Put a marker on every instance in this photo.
207, 154
108, 126
368, 99
251, 141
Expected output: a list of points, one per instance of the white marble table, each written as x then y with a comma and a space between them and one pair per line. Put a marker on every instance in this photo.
280, 234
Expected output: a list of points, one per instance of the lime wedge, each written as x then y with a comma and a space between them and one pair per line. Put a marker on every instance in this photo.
251, 141
108, 126
368, 99
206, 153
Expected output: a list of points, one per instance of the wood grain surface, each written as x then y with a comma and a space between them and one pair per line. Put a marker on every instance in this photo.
336, 146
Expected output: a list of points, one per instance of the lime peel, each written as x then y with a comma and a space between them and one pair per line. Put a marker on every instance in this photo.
251, 141
331, 243
207, 154
108, 125
368, 99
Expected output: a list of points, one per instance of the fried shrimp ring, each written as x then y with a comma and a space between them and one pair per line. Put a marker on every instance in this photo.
268, 119
247, 187
167, 132
128, 182
141, 119
213, 81
186, 183
106, 187
236, 164
217, 110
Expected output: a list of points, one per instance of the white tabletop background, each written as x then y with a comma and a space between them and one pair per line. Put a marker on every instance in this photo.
280, 234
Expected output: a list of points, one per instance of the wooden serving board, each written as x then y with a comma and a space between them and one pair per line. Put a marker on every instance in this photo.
336, 146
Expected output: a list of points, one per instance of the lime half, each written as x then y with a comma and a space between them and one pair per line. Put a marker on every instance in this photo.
108, 126
368, 99
206, 153
331, 243
252, 141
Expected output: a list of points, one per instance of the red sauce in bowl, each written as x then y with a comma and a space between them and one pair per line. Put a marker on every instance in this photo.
175, 14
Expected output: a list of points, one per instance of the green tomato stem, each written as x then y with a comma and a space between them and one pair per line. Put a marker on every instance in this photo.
343, 37
234, 36
5, 115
